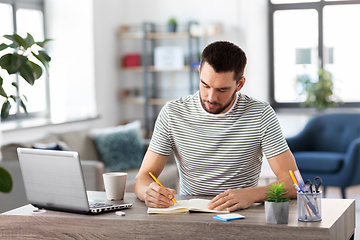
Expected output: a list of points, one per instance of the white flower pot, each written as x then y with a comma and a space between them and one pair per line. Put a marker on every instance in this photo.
277, 212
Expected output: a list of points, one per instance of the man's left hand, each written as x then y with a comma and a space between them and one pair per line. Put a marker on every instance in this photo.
232, 199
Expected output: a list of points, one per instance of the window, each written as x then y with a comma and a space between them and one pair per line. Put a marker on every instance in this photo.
22, 16
306, 35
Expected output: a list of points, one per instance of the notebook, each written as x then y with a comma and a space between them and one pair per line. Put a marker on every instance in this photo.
184, 206
54, 180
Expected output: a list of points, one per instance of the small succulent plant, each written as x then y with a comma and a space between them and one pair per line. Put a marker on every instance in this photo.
276, 193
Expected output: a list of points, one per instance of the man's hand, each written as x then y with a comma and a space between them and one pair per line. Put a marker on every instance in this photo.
157, 197
233, 199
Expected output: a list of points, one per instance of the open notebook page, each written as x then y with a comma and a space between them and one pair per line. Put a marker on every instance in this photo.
184, 206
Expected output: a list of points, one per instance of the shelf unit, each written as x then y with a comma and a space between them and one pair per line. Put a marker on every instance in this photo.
149, 36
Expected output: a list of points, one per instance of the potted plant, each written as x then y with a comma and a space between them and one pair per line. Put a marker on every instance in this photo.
18, 59
5, 181
276, 204
172, 24
318, 92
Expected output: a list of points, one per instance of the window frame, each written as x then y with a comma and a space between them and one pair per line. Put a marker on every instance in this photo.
33, 5
319, 7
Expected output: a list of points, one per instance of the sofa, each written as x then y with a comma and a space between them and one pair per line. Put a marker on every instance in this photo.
84, 142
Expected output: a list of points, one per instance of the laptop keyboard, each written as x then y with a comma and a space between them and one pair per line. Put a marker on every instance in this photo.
100, 205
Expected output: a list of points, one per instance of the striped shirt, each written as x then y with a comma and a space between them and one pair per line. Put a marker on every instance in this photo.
216, 152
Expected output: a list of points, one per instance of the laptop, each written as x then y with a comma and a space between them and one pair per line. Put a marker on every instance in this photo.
54, 180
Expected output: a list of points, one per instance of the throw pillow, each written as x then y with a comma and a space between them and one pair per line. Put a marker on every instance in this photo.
60, 145
120, 147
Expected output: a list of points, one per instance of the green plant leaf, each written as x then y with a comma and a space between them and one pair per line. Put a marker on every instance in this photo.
25, 98
2, 91
41, 59
318, 92
10, 37
5, 109
276, 193
13, 98
172, 20
27, 73
15, 85
5, 181
11, 62
5, 61
16, 60
42, 44
29, 40
37, 70
44, 55
3, 46
20, 41
22, 104
13, 45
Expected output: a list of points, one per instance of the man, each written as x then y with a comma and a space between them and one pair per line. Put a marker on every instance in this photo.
218, 136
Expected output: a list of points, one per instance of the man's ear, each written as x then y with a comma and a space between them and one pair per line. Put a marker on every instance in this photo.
241, 83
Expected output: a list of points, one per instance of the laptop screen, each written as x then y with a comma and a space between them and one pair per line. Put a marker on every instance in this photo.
53, 179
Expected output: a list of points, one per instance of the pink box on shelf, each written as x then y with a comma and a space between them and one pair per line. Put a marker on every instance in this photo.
131, 60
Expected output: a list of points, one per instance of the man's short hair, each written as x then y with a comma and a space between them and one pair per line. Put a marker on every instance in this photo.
224, 56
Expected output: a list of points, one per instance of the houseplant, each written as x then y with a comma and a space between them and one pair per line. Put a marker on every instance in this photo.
319, 91
19, 59
5, 181
172, 24
276, 204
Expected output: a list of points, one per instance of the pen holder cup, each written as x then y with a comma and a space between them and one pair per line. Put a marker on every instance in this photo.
309, 206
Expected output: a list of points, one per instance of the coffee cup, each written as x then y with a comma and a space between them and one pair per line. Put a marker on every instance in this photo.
115, 183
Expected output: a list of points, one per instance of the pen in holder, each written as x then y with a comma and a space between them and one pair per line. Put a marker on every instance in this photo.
309, 206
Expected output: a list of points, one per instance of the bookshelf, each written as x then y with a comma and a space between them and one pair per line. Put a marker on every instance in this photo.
150, 36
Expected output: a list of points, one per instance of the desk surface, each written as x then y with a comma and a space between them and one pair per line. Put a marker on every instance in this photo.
338, 223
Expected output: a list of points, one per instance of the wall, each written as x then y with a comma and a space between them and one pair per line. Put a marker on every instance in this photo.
244, 23
72, 76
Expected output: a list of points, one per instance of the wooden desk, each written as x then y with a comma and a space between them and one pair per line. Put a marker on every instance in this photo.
338, 223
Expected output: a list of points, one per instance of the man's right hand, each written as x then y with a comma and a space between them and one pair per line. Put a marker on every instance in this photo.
157, 197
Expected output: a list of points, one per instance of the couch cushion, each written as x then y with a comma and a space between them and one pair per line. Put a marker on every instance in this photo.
120, 147
60, 146
81, 142
320, 162
8, 151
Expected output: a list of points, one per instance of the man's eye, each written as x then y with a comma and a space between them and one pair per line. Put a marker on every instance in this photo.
222, 90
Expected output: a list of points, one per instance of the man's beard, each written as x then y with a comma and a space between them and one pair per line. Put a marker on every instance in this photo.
221, 107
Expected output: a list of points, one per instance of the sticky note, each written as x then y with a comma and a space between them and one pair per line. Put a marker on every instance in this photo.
229, 217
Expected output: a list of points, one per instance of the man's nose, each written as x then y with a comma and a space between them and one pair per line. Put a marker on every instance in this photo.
212, 95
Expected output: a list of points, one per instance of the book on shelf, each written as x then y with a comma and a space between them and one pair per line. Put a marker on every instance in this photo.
185, 206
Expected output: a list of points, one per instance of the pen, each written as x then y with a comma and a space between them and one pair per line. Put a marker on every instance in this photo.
157, 181
297, 188
300, 181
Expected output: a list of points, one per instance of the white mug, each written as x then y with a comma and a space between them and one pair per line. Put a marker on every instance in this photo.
115, 183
